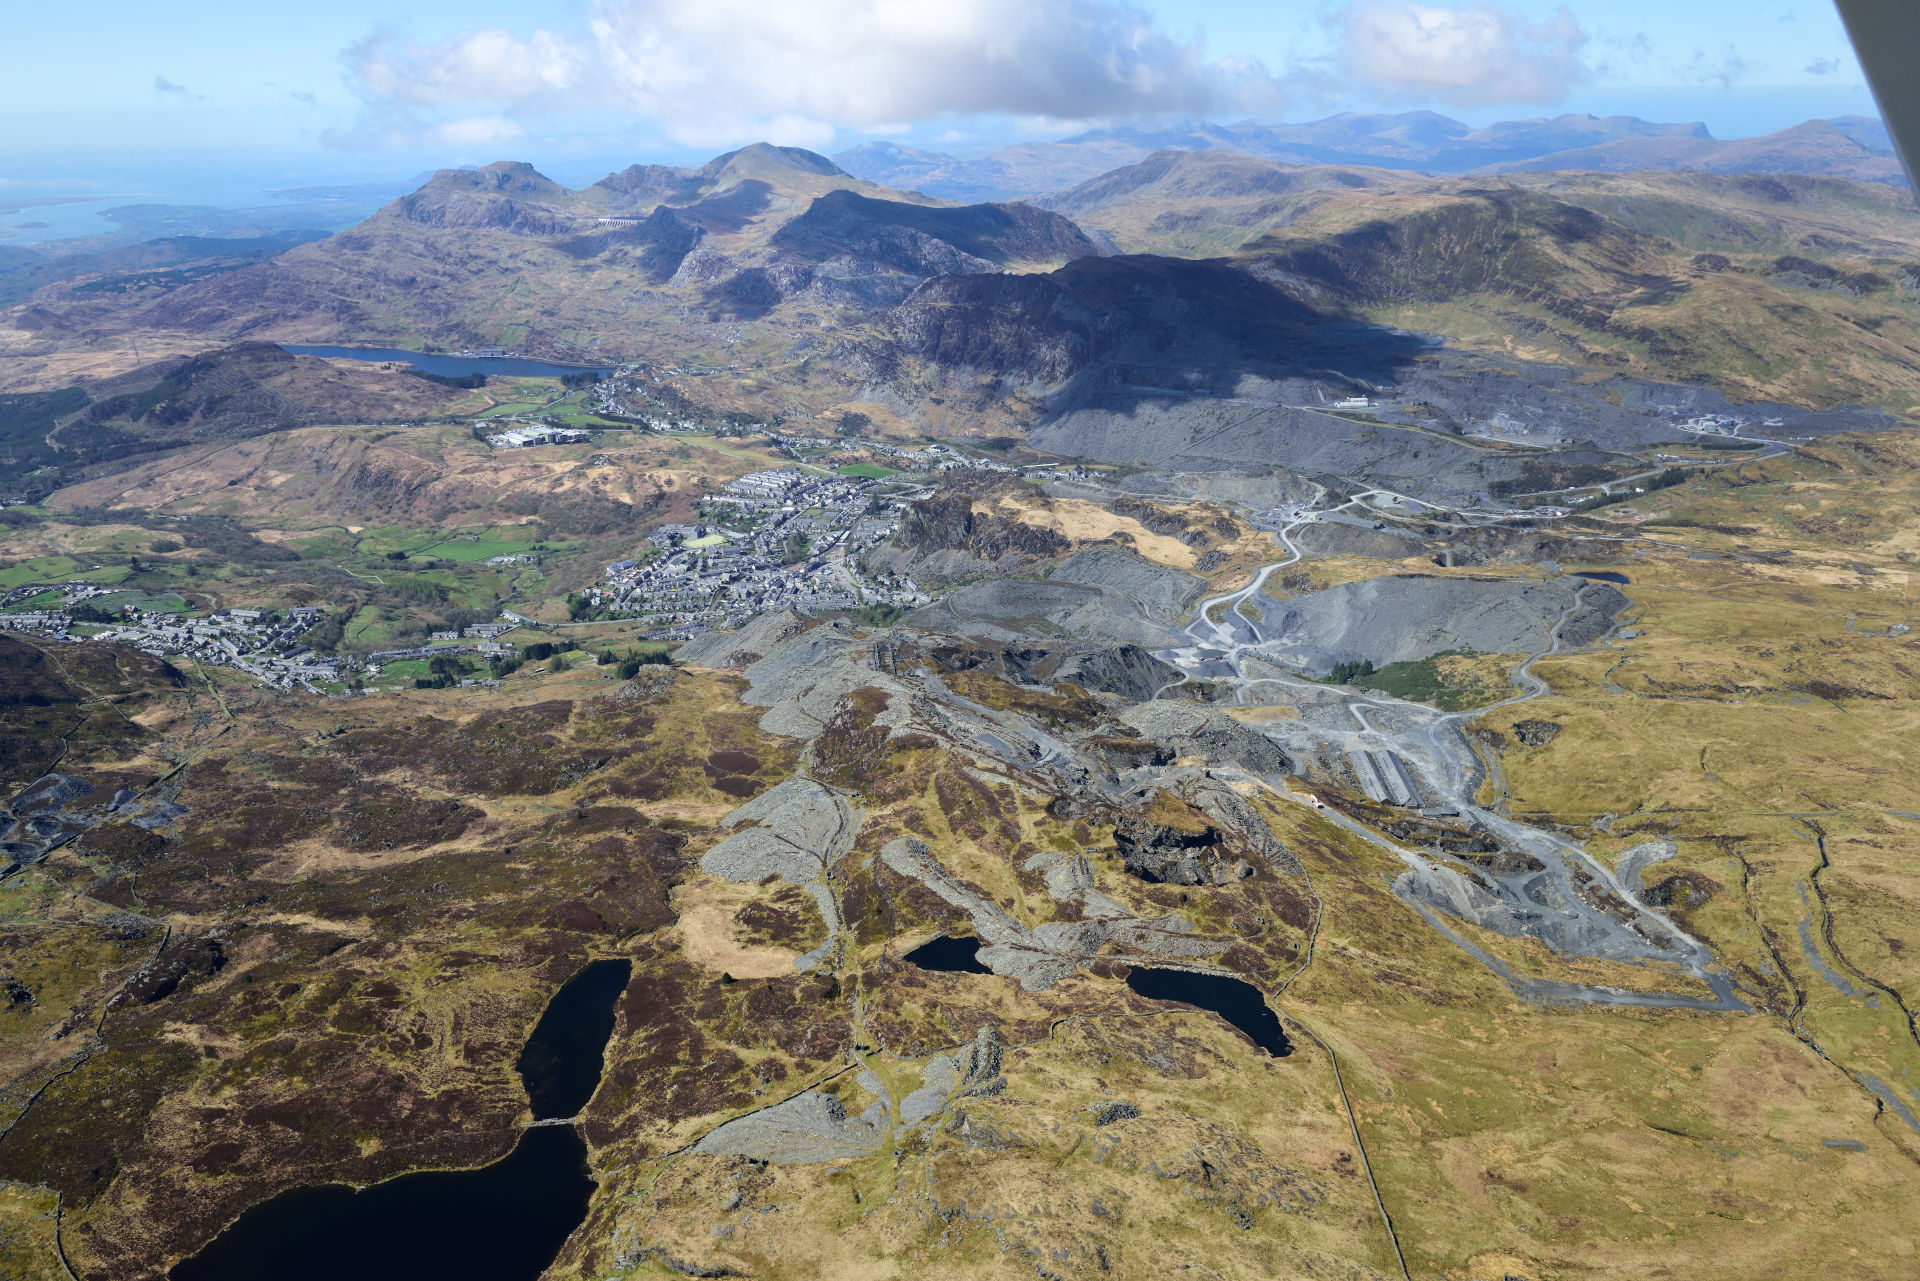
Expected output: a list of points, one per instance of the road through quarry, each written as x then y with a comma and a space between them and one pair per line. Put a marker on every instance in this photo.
1541, 887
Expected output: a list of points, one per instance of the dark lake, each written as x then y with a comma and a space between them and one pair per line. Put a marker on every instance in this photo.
560, 1065
953, 955
452, 366
1601, 576
1238, 1003
502, 1222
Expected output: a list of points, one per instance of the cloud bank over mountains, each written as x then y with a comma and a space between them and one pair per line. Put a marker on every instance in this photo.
1469, 55
711, 71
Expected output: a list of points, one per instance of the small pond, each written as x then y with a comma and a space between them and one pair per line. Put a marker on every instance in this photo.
954, 955
1601, 576
452, 366
502, 1222
1237, 1002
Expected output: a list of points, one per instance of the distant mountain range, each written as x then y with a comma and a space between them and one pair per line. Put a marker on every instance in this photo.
1184, 268
1847, 147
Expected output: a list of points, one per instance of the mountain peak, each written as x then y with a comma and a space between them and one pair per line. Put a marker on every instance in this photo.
513, 177
758, 158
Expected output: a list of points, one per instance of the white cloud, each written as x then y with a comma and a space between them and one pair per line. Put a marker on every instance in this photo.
1463, 55
713, 71
477, 131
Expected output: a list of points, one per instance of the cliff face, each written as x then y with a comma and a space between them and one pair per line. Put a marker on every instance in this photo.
1140, 310
509, 196
918, 238
947, 522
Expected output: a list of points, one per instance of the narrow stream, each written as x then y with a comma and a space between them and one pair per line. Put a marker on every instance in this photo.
502, 1222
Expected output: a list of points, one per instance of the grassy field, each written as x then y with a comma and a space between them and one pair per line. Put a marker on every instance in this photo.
60, 569
1453, 681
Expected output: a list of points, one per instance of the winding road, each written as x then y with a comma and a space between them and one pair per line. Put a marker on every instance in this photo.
1560, 894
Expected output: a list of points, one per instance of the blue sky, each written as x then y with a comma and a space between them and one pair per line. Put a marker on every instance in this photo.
355, 87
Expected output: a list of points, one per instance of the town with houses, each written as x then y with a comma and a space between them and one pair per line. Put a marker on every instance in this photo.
265, 644
788, 537
262, 643
772, 539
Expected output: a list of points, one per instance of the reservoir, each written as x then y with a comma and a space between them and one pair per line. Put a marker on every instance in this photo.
1601, 576
949, 954
502, 1222
453, 366
1238, 1003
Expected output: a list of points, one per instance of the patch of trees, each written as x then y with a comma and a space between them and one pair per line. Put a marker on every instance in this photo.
584, 515
460, 382
1665, 480
1348, 673
325, 635
585, 378
416, 590
1537, 476
631, 665
880, 615
446, 670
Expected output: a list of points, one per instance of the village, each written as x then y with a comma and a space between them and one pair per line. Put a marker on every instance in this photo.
768, 540
262, 643
265, 644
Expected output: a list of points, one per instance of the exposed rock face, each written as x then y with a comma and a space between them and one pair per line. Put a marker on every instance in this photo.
203, 956
1129, 753
1160, 854
796, 831
1023, 328
506, 196
1100, 593
741, 649
1243, 830
948, 522
1681, 891
927, 241
973, 1071
649, 184
1043, 956
1536, 733
1398, 618
807, 1128
1043, 329
660, 242
1234, 841
1126, 670
1187, 730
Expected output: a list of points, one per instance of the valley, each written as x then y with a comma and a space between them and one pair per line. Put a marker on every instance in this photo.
1282, 718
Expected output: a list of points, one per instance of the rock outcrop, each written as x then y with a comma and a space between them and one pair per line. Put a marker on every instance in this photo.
1190, 731
736, 651
1167, 855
